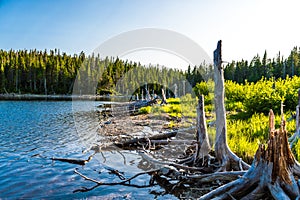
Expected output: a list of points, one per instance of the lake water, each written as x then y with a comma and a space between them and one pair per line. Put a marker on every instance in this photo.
32, 132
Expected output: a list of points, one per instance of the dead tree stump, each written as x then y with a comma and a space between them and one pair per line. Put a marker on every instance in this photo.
271, 173
203, 146
202, 141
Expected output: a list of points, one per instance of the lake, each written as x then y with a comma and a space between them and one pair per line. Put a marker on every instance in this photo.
32, 132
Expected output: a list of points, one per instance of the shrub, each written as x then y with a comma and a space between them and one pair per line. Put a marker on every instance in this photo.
264, 95
145, 110
201, 89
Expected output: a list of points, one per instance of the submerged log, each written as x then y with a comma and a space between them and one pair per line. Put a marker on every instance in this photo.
271, 172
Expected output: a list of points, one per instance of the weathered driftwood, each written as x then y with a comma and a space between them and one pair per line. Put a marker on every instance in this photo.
73, 160
125, 181
145, 141
271, 173
223, 153
175, 166
135, 106
121, 109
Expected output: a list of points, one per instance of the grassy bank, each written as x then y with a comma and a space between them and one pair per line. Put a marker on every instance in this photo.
245, 132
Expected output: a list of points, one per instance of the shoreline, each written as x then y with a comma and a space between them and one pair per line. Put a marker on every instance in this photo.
58, 97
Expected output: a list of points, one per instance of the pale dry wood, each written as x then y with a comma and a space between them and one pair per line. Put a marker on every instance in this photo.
223, 176
203, 147
159, 164
225, 156
74, 160
163, 98
139, 141
115, 183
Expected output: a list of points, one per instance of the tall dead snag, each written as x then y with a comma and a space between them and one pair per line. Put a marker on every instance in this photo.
203, 146
271, 172
226, 157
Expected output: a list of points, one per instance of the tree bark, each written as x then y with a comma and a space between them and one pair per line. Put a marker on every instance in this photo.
226, 157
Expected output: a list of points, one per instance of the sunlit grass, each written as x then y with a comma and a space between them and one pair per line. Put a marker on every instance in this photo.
296, 150
145, 110
244, 136
244, 132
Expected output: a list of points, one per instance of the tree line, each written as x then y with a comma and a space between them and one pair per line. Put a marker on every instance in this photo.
38, 72
253, 71
53, 72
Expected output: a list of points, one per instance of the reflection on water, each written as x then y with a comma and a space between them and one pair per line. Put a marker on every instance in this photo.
32, 132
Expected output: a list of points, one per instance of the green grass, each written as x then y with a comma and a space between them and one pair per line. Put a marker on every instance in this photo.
176, 107
173, 101
296, 149
244, 136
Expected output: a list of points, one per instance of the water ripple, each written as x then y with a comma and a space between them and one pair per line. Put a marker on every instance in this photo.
33, 132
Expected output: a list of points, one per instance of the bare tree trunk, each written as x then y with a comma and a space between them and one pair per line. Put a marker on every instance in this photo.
226, 157
148, 96
164, 99
17, 79
45, 85
203, 146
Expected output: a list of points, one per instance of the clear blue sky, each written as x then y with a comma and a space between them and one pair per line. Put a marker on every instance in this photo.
246, 27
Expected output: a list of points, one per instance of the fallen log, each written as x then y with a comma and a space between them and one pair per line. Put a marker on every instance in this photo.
73, 160
133, 143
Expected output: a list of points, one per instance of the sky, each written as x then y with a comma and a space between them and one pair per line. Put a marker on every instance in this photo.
246, 28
